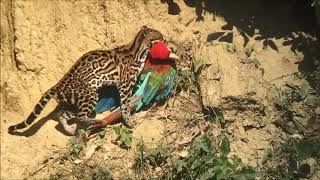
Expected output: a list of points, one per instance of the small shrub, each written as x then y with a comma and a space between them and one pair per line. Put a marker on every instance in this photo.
248, 51
124, 136
101, 173
206, 162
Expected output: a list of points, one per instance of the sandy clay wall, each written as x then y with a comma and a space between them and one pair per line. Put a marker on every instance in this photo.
40, 40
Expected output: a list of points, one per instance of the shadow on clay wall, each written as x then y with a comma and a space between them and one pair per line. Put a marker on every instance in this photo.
264, 20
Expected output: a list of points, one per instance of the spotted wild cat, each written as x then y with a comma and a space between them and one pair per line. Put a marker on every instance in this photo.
76, 93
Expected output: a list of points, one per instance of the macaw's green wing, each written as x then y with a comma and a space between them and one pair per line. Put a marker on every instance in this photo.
144, 77
167, 86
158, 87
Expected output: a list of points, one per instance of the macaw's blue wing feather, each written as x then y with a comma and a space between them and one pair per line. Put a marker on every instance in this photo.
105, 104
108, 102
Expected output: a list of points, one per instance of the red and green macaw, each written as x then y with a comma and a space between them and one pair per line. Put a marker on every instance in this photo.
154, 84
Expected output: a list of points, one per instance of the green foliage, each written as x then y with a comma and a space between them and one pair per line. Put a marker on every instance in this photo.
140, 162
258, 65
225, 146
198, 64
101, 138
158, 156
77, 144
124, 136
187, 79
285, 98
282, 162
248, 51
304, 149
100, 173
203, 162
150, 158
232, 48
206, 162
53, 177
184, 80
314, 76
83, 171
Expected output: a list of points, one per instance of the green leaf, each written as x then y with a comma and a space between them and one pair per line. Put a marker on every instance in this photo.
207, 175
221, 175
225, 146
197, 64
102, 134
76, 150
304, 149
117, 130
303, 91
196, 164
248, 51
236, 161
205, 144
125, 136
245, 173
257, 63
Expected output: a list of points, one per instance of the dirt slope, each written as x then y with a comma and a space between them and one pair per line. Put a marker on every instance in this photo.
40, 40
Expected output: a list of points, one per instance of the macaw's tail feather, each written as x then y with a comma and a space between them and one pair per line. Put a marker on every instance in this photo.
113, 117
105, 104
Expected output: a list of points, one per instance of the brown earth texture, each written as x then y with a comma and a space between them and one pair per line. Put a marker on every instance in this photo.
249, 74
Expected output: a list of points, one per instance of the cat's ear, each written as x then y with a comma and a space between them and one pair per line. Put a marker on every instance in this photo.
146, 30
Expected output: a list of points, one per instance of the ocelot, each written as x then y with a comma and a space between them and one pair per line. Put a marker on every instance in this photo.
77, 92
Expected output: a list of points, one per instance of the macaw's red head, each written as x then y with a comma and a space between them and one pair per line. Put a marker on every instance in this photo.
160, 58
160, 51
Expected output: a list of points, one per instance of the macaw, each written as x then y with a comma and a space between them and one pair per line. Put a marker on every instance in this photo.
154, 84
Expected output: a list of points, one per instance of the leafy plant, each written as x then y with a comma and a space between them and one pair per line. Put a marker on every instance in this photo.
101, 138
101, 173
198, 64
258, 65
53, 177
248, 51
206, 162
184, 80
124, 136
77, 144
158, 156
231, 48
285, 98
140, 162
283, 161
150, 158
187, 79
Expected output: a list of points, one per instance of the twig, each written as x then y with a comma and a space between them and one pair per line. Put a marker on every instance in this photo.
283, 76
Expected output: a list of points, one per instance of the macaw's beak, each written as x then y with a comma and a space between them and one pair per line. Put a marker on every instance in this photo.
173, 56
